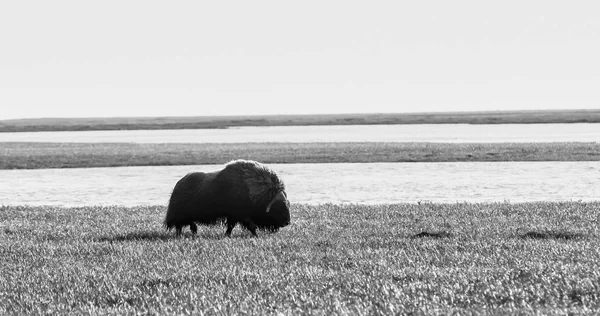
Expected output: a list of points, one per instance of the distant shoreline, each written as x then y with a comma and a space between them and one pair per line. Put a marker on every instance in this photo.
217, 122
83, 155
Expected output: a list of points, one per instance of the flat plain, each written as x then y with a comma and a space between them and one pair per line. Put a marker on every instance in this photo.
434, 259
347, 259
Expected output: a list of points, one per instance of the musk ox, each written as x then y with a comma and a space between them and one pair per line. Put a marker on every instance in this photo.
245, 192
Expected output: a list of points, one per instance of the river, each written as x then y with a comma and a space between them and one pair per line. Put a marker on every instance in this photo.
320, 183
448, 133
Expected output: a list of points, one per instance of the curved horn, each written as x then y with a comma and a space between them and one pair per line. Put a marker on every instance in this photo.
279, 196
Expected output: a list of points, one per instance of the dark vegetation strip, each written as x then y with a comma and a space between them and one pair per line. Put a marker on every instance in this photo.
201, 122
82, 155
552, 234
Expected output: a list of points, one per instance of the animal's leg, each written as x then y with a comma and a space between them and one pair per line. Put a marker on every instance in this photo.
194, 228
230, 226
248, 223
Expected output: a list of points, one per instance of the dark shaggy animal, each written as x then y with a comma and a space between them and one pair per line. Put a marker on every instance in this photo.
245, 192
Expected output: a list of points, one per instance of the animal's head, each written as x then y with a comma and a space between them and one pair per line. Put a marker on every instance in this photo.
278, 210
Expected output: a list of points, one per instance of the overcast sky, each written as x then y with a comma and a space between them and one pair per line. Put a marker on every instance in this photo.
153, 58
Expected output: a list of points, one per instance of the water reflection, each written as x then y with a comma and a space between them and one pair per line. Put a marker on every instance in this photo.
580, 132
320, 183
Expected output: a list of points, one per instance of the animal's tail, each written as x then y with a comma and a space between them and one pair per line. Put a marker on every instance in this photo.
169, 221
182, 197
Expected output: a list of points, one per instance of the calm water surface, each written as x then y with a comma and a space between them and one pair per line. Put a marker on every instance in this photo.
320, 183
338, 133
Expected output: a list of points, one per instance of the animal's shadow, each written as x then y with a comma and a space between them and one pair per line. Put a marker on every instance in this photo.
156, 236
170, 235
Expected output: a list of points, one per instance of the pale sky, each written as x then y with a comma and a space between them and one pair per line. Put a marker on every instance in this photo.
155, 58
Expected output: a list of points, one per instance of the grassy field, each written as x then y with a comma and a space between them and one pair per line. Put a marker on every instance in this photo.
434, 259
131, 123
71, 155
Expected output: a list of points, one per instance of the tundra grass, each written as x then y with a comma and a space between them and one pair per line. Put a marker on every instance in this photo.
434, 259
197, 122
80, 155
